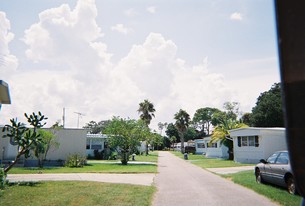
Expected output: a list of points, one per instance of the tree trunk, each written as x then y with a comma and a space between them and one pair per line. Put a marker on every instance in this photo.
182, 142
13, 163
146, 148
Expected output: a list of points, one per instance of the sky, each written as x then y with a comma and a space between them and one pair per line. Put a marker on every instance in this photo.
102, 58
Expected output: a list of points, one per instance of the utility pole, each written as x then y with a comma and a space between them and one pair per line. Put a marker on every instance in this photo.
63, 117
78, 116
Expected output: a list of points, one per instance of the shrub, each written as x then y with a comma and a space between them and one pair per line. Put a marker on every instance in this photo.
2, 179
75, 160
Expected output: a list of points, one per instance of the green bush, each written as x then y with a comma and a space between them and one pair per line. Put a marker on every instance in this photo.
2, 179
75, 160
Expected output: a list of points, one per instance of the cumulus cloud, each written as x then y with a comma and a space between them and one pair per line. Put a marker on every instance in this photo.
8, 62
151, 9
82, 77
236, 16
121, 29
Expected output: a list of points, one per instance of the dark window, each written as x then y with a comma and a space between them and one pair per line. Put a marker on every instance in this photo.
282, 158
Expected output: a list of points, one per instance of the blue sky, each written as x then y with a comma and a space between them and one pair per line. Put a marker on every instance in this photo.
102, 58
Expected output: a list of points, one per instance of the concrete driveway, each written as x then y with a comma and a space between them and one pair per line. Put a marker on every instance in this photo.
181, 183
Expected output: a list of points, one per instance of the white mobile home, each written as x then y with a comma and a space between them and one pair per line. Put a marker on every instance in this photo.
252, 144
70, 141
212, 150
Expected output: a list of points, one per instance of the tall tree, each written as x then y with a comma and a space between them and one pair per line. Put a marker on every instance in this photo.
125, 135
232, 110
268, 111
96, 127
182, 122
171, 131
203, 117
146, 110
221, 133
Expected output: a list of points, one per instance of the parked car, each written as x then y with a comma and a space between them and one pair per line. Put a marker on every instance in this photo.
190, 149
276, 170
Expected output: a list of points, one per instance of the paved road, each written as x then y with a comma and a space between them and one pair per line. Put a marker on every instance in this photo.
180, 183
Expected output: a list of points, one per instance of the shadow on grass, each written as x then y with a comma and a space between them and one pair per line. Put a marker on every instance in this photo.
26, 183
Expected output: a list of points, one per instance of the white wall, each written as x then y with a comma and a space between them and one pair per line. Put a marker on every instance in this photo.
270, 140
220, 152
71, 141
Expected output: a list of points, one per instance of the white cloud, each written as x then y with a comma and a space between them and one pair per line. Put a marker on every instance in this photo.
236, 16
131, 12
82, 77
151, 9
8, 62
121, 29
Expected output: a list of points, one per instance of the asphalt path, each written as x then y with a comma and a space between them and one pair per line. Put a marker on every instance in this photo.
181, 183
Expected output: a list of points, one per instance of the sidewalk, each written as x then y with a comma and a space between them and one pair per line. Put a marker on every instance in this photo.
146, 179
181, 183
230, 170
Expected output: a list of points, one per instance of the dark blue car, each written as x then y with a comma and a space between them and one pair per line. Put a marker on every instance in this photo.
276, 170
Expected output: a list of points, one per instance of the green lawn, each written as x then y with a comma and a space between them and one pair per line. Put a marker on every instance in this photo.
274, 193
204, 162
99, 166
77, 193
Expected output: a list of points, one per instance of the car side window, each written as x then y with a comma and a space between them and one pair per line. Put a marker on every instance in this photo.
282, 158
272, 158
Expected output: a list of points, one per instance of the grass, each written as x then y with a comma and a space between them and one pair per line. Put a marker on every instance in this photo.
204, 162
77, 193
98, 166
277, 194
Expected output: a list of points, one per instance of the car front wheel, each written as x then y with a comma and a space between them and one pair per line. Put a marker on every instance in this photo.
291, 186
258, 176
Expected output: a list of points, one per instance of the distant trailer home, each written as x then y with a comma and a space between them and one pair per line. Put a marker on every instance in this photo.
252, 144
211, 150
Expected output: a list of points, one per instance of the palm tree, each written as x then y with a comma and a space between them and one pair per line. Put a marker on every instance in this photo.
146, 110
182, 122
221, 133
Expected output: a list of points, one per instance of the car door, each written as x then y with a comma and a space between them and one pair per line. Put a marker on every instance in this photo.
279, 169
268, 174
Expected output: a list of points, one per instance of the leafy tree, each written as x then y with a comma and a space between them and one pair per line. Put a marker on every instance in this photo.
203, 118
232, 110
146, 110
96, 127
172, 139
171, 131
48, 140
182, 122
190, 134
246, 118
218, 117
25, 138
161, 126
156, 140
221, 133
125, 135
268, 111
